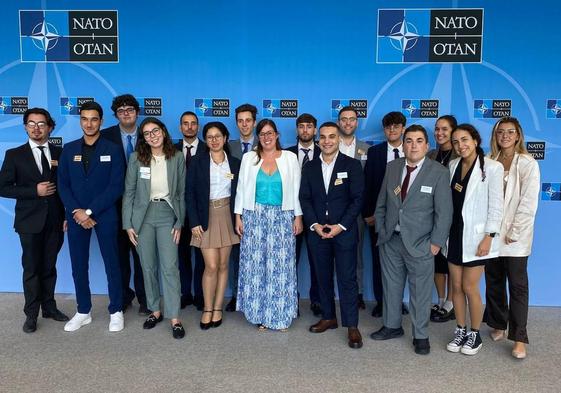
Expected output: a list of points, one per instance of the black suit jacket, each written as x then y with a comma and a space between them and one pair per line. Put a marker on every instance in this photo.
201, 147
343, 201
18, 179
113, 134
197, 189
374, 171
317, 151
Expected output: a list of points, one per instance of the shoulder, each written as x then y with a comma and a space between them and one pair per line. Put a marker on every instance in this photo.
435, 167
293, 148
492, 164
110, 131
234, 142
453, 163
18, 150
395, 164
432, 154
288, 156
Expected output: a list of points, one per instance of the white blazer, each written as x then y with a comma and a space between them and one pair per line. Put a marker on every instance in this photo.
520, 206
483, 208
290, 173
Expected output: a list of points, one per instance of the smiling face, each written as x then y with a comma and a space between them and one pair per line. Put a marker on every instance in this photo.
90, 121
37, 128
442, 132
268, 138
393, 133
153, 135
127, 116
348, 122
328, 140
245, 123
415, 146
507, 136
464, 144
215, 140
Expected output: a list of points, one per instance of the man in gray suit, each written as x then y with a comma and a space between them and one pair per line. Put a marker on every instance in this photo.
413, 217
352, 147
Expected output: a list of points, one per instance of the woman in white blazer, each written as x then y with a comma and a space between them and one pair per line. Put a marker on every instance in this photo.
477, 196
268, 218
521, 183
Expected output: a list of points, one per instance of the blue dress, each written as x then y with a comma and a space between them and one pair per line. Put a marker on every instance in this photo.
267, 284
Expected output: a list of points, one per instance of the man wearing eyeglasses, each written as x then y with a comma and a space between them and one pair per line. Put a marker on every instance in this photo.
125, 134
90, 181
350, 146
28, 175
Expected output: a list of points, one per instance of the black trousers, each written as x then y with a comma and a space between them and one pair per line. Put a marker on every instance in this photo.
39, 255
126, 248
314, 295
376, 267
186, 273
514, 311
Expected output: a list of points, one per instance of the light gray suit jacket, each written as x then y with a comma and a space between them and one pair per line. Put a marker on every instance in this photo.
137, 191
424, 216
236, 147
361, 151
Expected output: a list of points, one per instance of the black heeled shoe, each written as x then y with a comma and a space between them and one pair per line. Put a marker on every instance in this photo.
208, 325
216, 323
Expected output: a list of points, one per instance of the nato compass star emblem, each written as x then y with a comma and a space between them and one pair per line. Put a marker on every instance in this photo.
68, 106
271, 108
203, 107
556, 109
482, 109
339, 107
45, 36
403, 36
3, 106
550, 192
410, 108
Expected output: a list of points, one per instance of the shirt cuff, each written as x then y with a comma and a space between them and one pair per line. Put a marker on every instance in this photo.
312, 226
342, 227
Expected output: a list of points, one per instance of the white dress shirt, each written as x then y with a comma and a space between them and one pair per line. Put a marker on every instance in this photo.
194, 145
391, 154
37, 154
301, 153
348, 150
220, 179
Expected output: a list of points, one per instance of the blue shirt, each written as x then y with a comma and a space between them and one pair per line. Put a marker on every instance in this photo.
268, 188
125, 141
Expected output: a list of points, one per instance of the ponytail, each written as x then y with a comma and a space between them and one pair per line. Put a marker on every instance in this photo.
481, 157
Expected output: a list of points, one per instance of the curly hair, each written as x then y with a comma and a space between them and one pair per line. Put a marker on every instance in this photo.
143, 149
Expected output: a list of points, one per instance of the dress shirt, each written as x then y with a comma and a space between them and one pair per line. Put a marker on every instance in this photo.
391, 154
194, 146
301, 153
37, 154
124, 141
220, 179
327, 171
249, 142
348, 150
159, 188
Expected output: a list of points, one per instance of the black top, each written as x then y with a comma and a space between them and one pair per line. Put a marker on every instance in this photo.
443, 156
88, 151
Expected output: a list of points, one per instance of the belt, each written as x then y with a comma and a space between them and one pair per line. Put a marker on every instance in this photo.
158, 200
218, 203
397, 233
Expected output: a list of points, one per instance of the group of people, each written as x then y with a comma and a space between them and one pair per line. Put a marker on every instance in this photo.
244, 208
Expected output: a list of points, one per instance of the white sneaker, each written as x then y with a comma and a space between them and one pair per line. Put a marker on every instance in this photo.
77, 321
117, 322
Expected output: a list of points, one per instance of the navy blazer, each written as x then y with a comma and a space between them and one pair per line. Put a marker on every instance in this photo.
113, 134
342, 201
99, 188
197, 189
317, 151
374, 171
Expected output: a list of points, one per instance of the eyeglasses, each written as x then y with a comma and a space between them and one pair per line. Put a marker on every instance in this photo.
266, 134
214, 137
32, 124
152, 133
122, 111
509, 132
347, 119
393, 127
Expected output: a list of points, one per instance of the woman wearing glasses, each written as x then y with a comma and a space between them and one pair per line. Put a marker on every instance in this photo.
212, 179
153, 213
268, 217
521, 184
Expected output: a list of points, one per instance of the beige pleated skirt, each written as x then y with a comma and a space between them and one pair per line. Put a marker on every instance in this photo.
220, 232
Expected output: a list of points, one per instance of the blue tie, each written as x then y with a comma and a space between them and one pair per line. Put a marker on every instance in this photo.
245, 147
130, 148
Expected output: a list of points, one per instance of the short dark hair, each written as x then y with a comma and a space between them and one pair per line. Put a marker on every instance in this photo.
416, 128
345, 109
306, 118
247, 108
92, 106
393, 118
39, 111
124, 100
190, 113
330, 124
450, 119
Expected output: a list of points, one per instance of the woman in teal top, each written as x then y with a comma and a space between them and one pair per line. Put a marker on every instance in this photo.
268, 189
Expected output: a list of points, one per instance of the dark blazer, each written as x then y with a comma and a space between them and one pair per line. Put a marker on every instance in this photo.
197, 190
294, 149
18, 179
201, 147
235, 147
100, 187
374, 171
343, 201
113, 134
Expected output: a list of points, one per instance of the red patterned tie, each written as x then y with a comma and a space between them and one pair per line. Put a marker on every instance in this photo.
405, 184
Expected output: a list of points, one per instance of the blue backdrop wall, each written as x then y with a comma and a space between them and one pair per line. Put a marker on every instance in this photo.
489, 61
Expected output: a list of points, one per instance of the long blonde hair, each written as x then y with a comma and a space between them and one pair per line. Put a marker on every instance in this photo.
520, 146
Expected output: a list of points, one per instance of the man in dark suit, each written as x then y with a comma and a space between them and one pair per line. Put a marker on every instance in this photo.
246, 116
378, 157
413, 218
90, 181
125, 134
306, 150
331, 198
28, 175
191, 146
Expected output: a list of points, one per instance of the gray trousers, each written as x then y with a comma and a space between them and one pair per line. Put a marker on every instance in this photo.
397, 265
158, 256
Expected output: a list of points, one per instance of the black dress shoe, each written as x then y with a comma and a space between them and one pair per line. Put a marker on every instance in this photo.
216, 323
152, 321
386, 333
231, 306
30, 325
143, 310
57, 315
443, 315
404, 310
361, 305
207, 325
377, 310
422, 346
177, 330
186, 300
316, 309
199, 303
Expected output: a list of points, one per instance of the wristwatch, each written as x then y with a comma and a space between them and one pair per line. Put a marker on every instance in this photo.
492, 234
89, 212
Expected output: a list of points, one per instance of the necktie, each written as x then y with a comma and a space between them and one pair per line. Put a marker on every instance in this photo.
306, 156
188, 156
395, 153
405, 184
45, 167
130, 147
245, 147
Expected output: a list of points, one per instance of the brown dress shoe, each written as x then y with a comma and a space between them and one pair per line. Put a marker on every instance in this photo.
355, 339
323, 325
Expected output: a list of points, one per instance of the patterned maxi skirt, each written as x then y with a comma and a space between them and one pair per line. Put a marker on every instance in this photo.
267, 284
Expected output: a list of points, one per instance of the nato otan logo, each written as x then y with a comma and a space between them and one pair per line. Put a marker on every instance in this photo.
553, 109
551, 192
280, 108
68, 36
212, 107
536, 149
71, 105
419, 109
150, 106
13, 105
491, 109
359, 105
429, 35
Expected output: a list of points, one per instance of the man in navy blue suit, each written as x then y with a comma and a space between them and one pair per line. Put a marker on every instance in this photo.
90, 181
125, 134
331, 199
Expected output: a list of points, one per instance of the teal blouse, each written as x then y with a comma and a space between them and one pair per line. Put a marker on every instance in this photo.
268, 188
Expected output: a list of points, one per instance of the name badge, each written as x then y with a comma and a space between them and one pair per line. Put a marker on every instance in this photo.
361, 152
363, 157
426, 189
342, 175
105, 158
229, 176
397, 190
77, 158
338, 181
54, 162
144, 169
458, 187
145, 175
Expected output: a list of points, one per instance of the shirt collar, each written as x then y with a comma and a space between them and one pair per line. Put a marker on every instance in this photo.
419, 164
400, 148
332, 162
194, 144
311, 147
125, 133
250, 141
34, 145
